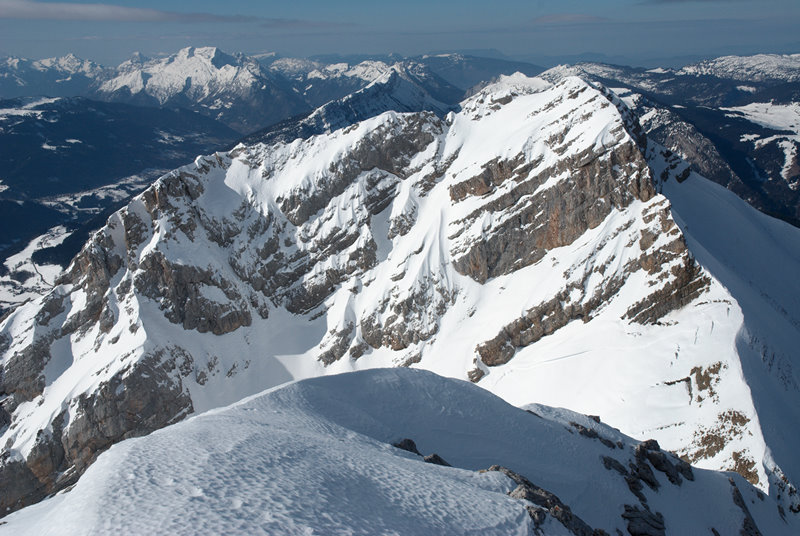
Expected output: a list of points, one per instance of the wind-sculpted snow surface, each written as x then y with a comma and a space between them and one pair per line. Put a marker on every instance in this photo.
521, 243
317, 457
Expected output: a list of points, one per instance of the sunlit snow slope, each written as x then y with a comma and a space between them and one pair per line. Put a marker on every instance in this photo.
317, 457
521, 243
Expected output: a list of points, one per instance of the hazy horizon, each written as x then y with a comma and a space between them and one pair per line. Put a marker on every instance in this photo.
633, 32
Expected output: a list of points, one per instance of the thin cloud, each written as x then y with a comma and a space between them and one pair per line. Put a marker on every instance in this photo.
33, 10
689, 1
568, 18
297, 23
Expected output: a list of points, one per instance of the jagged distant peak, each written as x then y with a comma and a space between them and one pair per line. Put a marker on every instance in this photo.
67, 64
209, 55
213, 55
200, 71
136, 60
367, 70
393, 89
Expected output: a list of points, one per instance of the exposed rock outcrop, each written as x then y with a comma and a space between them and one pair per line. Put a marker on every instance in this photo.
548, 501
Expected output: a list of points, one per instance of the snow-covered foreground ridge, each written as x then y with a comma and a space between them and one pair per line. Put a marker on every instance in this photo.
521, 243
317, 456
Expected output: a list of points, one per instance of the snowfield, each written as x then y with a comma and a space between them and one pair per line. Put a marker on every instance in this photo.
316, 457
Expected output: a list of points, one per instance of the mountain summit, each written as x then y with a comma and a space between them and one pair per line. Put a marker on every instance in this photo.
232, 89
533, 242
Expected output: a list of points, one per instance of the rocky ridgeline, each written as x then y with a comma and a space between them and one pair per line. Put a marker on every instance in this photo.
373, 231
400, 88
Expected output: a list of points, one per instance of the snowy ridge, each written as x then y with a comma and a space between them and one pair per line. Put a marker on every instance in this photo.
69, 65
366, 71
396, 84
759, 68
294, 67
520, 242
65, 66
320, 83
248, 468
398, 89
754, 155
647, 80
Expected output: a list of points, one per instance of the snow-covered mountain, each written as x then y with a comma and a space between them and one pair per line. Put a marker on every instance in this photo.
533, 242
247, 95
446, 76
742, 136
344, 455
320, 82
245, 92
66, 76
401, 88
233, 89
104, 152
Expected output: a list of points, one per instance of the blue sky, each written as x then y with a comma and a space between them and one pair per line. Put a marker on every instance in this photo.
631, 30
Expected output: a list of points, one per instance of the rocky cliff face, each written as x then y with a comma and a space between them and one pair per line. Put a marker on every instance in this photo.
734, 119
486, 245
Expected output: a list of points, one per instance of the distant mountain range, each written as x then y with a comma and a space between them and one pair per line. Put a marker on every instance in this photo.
243, 92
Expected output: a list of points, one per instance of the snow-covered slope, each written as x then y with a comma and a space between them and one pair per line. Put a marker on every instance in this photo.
233, 89
521, 242
24, 279
783, 120
317, 457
